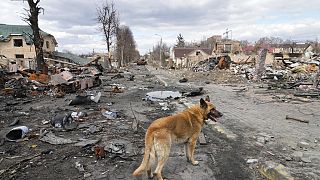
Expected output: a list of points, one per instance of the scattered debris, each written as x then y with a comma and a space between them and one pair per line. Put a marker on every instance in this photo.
95, 98
183, 80
116, 89
17, 133
86, 175
79, 167
118, 76
205, 65
99, 152
115, 148
272, 170
303, 144
86, 142
109, 114
50, 138
162, 95
61, 120
80, 100
202, 139
141, 62
251, 161
164, 106
296, 119
78, 115
93, 129
14, 122
224, 62
197, 92
85, 99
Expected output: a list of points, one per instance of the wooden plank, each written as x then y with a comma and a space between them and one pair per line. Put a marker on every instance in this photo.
296, 119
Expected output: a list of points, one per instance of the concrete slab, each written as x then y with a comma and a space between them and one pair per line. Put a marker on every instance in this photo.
272, 170
223, 130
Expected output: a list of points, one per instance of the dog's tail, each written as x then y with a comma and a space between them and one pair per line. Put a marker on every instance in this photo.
146, 157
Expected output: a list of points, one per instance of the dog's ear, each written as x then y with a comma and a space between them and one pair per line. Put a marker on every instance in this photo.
207, 98
203, 104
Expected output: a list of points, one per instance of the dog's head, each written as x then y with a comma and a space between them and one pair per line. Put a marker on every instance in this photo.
210, 111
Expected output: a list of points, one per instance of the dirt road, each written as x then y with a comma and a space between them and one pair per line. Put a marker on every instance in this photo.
257, 116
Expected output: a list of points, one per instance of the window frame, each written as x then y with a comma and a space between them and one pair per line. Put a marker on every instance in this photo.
15, 44
21, 56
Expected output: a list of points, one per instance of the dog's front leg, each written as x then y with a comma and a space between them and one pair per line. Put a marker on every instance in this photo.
186, 149
191, 146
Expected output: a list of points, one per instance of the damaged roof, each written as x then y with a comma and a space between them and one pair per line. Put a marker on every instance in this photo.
72, 57
182, 52
22, 30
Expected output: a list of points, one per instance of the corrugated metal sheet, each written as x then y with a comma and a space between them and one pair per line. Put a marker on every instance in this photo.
73, 58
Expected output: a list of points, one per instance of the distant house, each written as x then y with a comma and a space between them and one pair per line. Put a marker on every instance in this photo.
220, 45
292, 48
188, 56
287, 51
227, 46
16, 41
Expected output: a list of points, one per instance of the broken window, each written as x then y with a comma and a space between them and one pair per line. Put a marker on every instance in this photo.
19, 56
47, 44
227, 48
17, 43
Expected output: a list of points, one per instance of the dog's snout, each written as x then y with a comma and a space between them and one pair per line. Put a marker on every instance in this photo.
220, 114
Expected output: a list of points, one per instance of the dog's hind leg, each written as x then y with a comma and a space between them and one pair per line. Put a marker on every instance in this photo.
150, 163
162, 148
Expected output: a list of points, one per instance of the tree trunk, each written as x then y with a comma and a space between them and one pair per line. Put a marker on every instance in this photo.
108, 64
122, 56
37, 39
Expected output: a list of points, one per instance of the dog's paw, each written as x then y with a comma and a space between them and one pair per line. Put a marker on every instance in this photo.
150, 174
195, 163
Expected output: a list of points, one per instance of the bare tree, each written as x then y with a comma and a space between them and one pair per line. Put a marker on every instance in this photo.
180, 41
32, 19
126, 46
108, 18
121, 34
156, 53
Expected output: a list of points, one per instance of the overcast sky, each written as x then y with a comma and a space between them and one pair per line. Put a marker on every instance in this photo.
73, 23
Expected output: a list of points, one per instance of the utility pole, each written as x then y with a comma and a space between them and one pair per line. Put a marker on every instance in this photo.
227, 33
160, 49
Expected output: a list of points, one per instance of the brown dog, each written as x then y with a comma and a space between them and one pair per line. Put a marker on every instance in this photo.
183, 127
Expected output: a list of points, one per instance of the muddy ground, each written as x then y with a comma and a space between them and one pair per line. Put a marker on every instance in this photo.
253, 128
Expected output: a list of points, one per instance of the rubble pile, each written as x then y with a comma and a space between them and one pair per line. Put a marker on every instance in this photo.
299, 74
55, 83
206, 65
215, 76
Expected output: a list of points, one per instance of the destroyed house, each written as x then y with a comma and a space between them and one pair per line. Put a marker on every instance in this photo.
16, 42
221, 45
188, 56
288, 51
291, 48
227, 46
